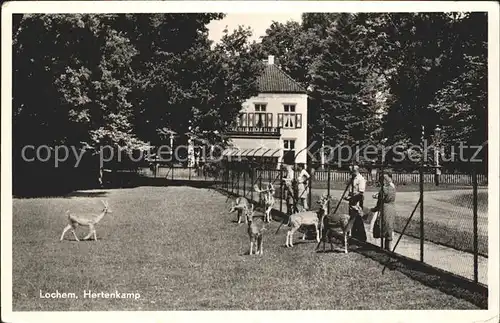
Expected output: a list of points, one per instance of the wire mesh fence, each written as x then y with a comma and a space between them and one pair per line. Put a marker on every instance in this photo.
444, 226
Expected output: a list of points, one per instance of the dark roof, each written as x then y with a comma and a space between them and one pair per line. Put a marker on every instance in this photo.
274, 80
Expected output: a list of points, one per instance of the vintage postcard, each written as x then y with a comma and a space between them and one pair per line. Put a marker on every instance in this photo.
178, 161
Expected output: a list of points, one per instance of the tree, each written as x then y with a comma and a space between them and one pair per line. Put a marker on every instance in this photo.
438, 76
344, 82
462, 102
202, 87
79, 82
98, 80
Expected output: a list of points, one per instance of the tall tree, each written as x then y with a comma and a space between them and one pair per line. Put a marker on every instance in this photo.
77, 70
343, 80
201, 87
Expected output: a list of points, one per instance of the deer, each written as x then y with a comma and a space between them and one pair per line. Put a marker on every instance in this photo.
306, 218
345, 222
268, 200
86, 220
242, 206
256, 228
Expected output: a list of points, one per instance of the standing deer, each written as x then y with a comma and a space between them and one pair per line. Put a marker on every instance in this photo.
268, 200
306, 218
86, 220
242, 206
256, 228
330, 222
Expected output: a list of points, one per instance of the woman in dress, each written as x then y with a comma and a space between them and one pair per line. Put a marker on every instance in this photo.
386, 207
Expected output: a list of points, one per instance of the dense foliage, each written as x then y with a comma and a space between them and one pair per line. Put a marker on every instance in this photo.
381, 77
87, 81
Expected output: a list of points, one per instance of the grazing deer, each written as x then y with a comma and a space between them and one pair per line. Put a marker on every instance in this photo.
242, 206
330, 222
86, 220
268, 200
256, 228
306, 218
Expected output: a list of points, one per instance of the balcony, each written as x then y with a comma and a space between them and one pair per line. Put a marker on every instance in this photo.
254, 131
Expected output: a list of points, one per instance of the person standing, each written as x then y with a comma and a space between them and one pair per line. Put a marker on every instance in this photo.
358, 187
386, 203
356, 197
289, 191
302, 186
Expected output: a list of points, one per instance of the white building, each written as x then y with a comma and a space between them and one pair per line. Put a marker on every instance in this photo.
272, 126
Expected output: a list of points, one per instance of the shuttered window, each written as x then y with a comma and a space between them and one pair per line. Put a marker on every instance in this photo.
280, 120
298, 120
269, 120
251, 119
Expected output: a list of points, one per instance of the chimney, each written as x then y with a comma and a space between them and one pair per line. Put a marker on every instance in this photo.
270, 60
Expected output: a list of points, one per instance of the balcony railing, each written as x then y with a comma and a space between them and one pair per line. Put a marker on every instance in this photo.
239, 130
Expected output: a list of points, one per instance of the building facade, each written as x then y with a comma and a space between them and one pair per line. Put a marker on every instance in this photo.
272, 126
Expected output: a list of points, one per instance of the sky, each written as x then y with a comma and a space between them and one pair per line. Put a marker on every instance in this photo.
259, 22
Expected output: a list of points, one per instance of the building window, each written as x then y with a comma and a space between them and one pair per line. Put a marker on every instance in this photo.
262, 119
289, 144
289, 151
242, 120
289, 107
260, 107
290, 120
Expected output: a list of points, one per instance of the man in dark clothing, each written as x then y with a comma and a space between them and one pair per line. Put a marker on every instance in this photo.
356, 196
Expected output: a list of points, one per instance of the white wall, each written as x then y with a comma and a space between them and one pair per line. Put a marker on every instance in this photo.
275, 104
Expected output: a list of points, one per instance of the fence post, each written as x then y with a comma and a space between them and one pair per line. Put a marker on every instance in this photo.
309, 195
282, 193
260, 184
328, 186
381, 199
251, 181
421, 213
189, 176
172, 171
245, 184
238, 183
232, 181
474, 210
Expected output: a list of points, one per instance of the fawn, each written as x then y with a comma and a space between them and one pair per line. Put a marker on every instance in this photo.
86, 220
268, 200
256, 228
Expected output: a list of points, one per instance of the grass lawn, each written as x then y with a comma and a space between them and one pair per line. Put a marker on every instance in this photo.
466, 200
180, 250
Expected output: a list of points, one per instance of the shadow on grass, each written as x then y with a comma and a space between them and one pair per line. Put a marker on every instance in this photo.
61, 194
87, 194
90, 240
436, 278
149, 181
328, 250
446, 282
